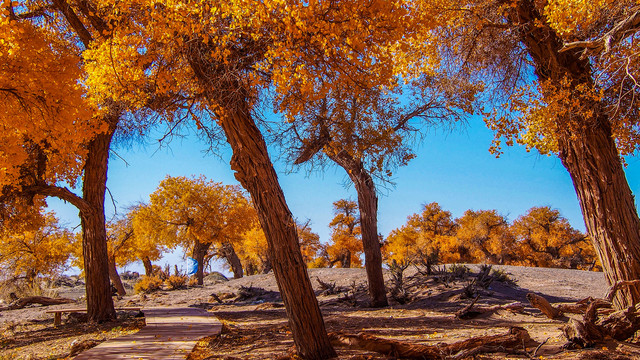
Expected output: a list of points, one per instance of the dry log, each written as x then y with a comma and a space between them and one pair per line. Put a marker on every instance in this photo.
517, 337
470, 312
543, 305
620, 325
42, 300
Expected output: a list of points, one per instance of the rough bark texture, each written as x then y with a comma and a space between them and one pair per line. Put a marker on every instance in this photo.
94, 235
591, 157
255, 172
229, 253
115, 278
148, 267
199, 253
368, 206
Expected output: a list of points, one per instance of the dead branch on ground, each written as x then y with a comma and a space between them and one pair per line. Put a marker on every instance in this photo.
42, 300
515, 339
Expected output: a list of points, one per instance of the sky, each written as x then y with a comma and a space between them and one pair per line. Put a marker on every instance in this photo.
453, 168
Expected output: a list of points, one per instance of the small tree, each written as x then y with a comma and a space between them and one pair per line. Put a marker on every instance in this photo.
40, 247
196, 213
346, 247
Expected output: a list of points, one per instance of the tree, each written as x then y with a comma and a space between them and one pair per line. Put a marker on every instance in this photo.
369, 133
486, 235
310, 244
346, 246
253, 251
58, 134
224, 57
545, 238
197, 214
425, 239
581, 108
40, 247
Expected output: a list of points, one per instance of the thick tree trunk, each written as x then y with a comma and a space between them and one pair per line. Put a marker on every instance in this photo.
255, 172
94, 235
229, 253
608, 208
115, 278
148, 267
591, 157
199, 253
368, 206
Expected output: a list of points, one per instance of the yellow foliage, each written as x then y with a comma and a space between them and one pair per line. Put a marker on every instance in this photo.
40, 247
346, 243
148, 284
486, 236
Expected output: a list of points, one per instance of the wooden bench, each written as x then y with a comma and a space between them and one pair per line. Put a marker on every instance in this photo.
57, 314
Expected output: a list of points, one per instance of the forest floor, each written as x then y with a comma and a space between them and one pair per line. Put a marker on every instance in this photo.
255, 324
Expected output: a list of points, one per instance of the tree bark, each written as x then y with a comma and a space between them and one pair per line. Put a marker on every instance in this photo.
115, 278
94, 235
199, 253
368, 207
591, 157
255, 172
148, 267
229, 253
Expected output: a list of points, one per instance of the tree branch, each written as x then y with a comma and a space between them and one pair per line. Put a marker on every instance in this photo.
602, 45
74, 21
61, 193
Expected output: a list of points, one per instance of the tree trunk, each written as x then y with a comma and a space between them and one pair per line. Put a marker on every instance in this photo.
115, 278
368, 206
199, 253
591, 157
148, 267
255, 172
608, 208
229, 253
94, 235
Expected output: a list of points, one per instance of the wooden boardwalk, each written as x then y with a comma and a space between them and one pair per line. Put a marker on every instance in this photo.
171, 333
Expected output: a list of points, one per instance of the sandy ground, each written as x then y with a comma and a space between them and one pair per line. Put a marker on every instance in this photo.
255, 326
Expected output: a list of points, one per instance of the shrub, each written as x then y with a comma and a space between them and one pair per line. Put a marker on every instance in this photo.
175, 282
503, 276
458, 271
148, 284
193, 281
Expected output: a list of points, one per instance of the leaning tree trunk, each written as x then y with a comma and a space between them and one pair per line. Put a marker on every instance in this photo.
591, 157
368, 206
199, 253
148, 267
94, 234
229, 253
254, 170
115, 277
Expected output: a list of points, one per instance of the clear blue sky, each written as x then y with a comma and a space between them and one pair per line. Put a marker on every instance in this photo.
454, 169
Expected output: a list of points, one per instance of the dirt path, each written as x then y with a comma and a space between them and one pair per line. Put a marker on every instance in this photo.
171, 333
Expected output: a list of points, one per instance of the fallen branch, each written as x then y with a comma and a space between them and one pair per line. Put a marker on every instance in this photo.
469, 312
516, 337
42, 300
543, 305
